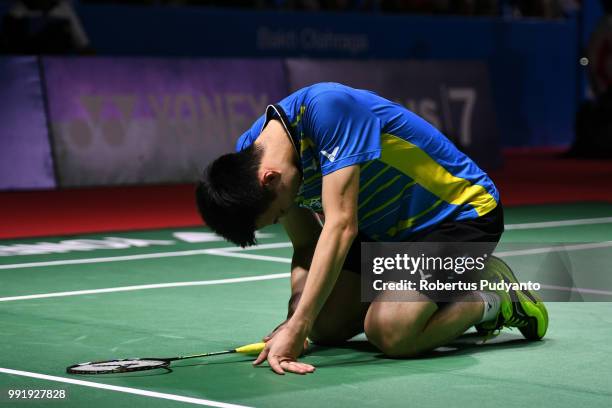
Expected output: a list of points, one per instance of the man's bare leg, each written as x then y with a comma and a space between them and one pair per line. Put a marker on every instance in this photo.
399, 329
405, 329
343, 314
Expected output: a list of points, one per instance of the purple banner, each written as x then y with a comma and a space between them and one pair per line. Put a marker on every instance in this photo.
454, 96
141, 120
25, 155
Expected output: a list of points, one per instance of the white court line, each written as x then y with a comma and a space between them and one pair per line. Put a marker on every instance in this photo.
256, 247
532, 251
225, 251
558, 248
151, 286
520, 252
233, 254
211, 251
554, 224
127, 390
578, 290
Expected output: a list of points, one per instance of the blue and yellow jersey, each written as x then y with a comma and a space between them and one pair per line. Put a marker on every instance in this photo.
411, 176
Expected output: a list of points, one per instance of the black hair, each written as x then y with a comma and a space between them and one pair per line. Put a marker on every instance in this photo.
230, 197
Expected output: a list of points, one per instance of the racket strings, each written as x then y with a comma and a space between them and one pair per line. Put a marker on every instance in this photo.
118, 366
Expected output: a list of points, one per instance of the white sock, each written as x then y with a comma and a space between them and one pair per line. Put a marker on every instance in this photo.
492, 303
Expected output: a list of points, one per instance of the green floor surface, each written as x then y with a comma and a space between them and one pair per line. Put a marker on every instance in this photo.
571, 367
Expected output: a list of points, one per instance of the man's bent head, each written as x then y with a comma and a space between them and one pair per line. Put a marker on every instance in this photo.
230, 196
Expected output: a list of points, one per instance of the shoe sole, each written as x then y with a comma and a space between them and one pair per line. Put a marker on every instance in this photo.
532, 306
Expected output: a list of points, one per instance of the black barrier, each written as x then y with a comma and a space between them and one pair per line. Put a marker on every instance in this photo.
455, 97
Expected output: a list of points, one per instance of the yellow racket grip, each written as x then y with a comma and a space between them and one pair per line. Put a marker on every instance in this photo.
254, 348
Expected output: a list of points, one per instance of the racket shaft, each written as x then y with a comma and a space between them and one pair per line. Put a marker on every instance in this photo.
214, 353
254, 348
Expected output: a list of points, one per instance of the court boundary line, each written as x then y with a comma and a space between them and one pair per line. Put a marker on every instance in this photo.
578, 290
532, 251
555, 224
148, 286
224, 251
236, 252
118, 388
556, 248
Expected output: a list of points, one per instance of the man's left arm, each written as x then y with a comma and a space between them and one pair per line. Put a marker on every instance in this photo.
340, 191
339, 195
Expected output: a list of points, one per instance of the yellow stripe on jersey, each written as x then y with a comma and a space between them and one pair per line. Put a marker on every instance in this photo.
366, 165
305, 144
389, 202
378, 190
299, 116
407, 223
312, 178
370, 181
418, 165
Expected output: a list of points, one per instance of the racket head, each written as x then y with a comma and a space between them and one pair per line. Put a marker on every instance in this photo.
125, 365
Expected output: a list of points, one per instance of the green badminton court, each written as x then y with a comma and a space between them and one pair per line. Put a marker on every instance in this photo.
162, 293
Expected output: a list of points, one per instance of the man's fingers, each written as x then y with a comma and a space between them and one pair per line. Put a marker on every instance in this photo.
297, 367
262, 356
279, 366
293, 368
275, 365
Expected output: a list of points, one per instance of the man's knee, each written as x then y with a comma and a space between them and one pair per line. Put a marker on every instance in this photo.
396, 336
391, 341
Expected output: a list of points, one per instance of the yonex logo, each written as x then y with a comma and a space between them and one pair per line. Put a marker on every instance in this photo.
331, 156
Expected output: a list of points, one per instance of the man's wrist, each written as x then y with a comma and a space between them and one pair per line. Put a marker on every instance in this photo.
299, 325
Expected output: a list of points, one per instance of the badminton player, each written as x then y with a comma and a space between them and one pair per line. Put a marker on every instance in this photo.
374, 171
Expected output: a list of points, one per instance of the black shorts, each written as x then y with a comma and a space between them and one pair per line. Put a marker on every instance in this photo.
486, 230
